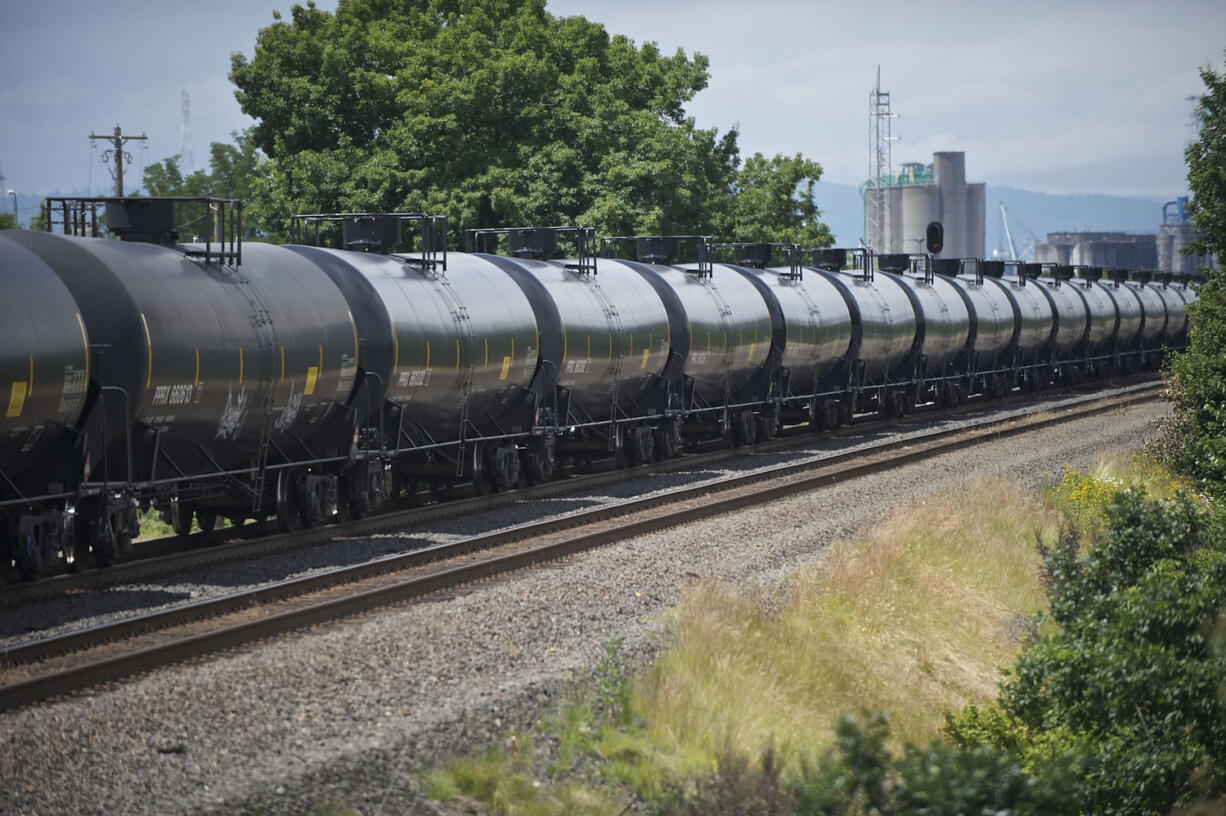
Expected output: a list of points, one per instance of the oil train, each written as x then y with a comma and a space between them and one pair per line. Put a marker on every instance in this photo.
245, 380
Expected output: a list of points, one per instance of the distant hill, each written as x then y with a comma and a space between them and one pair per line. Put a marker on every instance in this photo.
1031, 215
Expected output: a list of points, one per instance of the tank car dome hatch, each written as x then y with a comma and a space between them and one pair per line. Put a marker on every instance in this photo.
753, 255
537, 244
657, 249
895, 262
1090, 273
992, 269
830, 258
371, 233
143, 220
1030, 270
1142, 275
946, 266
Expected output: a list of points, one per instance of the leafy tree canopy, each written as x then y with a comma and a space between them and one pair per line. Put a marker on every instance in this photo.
1206, 158
496, 113
1196, 436
233, 169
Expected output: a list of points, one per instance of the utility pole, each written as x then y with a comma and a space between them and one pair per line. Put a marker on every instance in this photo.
118, 140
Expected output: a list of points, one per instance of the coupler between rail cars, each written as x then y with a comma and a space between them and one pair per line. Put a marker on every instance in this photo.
364, 486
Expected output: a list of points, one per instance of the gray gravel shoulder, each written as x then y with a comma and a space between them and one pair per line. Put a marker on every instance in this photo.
346, 713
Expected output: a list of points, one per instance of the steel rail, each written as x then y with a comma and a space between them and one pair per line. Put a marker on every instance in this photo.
632, 518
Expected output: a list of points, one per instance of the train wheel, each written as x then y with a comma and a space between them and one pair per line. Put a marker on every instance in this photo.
106, 546
180, 518
76, 544
30, 554
207, 520
476, 465
288, 517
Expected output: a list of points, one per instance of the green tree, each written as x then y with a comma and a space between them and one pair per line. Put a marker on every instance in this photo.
492, 112
1206, 158
1126, 687
773, 201
8, 221
1196, 436
233, 170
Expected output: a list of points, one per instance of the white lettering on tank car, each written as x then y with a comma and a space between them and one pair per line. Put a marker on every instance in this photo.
413, 379
180, 394
289, 415
232, 417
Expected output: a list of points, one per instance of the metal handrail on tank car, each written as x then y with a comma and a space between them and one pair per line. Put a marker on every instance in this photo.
432, 231
226, 231
475, 240
703, 243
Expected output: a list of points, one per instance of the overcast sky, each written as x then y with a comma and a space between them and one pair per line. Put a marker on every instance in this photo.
1049, 96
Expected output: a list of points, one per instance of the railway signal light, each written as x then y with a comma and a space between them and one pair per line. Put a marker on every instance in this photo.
935, 238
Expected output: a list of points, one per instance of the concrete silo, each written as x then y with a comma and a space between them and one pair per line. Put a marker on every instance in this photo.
919, 195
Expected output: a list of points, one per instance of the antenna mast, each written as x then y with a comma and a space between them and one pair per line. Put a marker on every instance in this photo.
880, 168
186, 161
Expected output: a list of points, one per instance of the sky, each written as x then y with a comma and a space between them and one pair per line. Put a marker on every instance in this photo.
1057, 97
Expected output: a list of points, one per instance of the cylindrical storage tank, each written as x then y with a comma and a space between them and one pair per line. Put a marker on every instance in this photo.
1100, 311
994, 318
949, 167
921, 205
883, 324
203, 353
1072, 319
1034, 315
1128, 307
433, 340
615, 333
943, 322
817, 325
730, 330
1153, 310
44, 371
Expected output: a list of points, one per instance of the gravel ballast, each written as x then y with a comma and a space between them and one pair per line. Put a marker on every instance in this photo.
347, 712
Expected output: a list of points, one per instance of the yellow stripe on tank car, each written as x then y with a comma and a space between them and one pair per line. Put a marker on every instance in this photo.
85, 344
283, 363
354, 326
749, 354
486, 341
30, 386
457, 354
395, 347
240, 365
148, 352
321, 359
646, 352
427, 355
506, 366
196, 381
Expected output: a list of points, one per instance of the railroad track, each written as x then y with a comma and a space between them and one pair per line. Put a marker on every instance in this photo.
54, 666
157, 558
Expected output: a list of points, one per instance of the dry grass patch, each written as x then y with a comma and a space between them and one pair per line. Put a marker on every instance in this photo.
915, 620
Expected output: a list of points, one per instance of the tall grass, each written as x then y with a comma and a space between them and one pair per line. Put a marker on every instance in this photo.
918, 618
